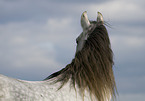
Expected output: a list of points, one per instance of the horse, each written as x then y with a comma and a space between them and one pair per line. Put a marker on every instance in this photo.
89, 76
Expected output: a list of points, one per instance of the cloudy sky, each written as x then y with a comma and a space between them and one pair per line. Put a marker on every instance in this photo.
37, 38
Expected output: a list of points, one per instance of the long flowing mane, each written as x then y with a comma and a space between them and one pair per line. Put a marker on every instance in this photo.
91, 69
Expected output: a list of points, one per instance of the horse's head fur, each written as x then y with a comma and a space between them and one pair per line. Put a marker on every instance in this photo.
91, 69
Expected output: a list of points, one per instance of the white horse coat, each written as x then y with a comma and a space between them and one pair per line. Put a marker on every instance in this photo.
20, 90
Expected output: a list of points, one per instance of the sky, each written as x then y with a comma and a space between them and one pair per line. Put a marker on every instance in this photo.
37, 38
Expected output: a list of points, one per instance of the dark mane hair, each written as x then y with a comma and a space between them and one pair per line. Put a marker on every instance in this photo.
91, 69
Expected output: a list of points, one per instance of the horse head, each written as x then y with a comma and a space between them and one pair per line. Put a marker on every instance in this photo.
87, 27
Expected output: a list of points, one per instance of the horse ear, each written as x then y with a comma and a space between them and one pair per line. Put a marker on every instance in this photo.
85, 23
100, 18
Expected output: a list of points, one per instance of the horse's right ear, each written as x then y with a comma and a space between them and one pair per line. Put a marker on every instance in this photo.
85, 23
100, 18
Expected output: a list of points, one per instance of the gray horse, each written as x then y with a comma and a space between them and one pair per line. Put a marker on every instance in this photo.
89, 77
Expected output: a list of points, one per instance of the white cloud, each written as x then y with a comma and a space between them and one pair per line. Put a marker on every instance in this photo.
132, 42
128, 50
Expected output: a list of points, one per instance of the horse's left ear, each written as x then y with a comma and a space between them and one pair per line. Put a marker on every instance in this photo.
85, 23
100, 18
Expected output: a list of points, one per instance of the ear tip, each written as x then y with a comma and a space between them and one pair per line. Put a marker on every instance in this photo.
100, 17
99, 13
85, 12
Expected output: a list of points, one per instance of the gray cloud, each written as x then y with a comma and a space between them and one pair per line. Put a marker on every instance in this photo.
131, 97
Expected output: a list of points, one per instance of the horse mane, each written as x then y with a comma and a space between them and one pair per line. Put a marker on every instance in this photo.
91, 69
